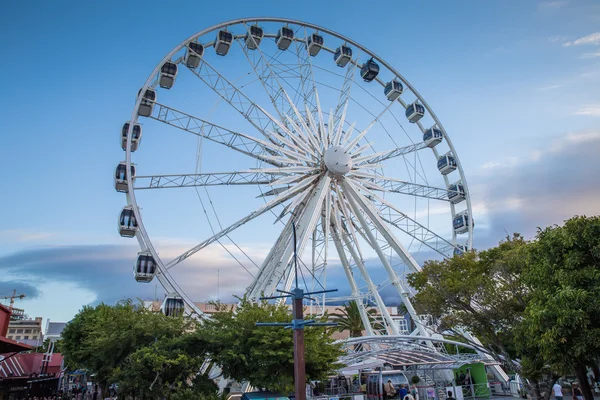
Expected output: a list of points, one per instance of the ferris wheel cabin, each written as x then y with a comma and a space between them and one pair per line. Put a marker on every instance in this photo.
168, 73
193, 55
284, 38
446, 164
121, 184
342, 55
223, 42
127, 223
136, 136
415, 112
147, 104
393, 89
314, 44
456, 192
432, 137
461, 223
253, 37
172, 306
145, 267
369, 70
460, 249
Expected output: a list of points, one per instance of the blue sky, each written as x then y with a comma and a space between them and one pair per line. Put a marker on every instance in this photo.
515, 83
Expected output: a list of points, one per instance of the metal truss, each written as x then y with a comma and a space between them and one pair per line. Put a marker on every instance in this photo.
209, 179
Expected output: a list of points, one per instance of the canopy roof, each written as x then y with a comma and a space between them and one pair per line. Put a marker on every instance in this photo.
373, 351
12, 346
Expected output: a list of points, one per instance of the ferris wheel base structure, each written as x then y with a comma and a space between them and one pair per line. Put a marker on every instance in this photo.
302, 109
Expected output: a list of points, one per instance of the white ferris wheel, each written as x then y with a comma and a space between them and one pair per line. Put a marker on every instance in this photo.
255, 123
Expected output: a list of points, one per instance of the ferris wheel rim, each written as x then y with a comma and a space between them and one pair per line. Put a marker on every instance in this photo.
146, 244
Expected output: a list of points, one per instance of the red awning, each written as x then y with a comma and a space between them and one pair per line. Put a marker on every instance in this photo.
12, 346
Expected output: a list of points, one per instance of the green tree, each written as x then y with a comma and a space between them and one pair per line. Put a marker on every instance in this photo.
100, 339
563, 317
481, 292
169, 368
264, 355
348, 319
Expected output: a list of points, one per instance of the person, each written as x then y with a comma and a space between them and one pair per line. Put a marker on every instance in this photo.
557, 391
461, 378
577, 393
403, 392
450, 396
389, 389
414, 392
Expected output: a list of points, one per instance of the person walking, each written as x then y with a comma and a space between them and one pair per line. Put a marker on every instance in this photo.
577, 393
450, 396
403, 392
557, 391
389, 389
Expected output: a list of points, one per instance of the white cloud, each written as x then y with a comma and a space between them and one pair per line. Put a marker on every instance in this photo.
593, 111
591, 55
593, 39
24, 235
549, 87
553, 4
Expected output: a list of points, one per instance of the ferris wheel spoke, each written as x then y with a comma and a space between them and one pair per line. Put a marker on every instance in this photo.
282, 197
395, 217
384, 184
237, 141
305, 225
239, 101
266, 73
257, 286
355, 200
400, 151
280, 256
359, 261
257, 177
352, 282
344, 97
355, 197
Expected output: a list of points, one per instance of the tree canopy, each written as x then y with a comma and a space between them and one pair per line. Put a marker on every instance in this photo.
481, 292
563, 315
130, 345
264, 355
348, 318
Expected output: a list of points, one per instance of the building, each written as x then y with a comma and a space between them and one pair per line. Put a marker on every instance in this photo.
54, 330
28, 331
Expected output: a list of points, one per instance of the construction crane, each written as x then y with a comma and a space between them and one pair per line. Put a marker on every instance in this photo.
13, 297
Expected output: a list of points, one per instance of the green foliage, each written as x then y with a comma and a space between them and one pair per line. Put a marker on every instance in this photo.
415, 379
264, 355
562, 319
348, 319
131, 345
481, 292
169, 368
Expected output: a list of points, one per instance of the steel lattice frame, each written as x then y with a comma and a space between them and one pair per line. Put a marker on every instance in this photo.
340, 213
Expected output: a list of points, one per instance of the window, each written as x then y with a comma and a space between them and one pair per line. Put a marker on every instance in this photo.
10, 337
34, 337
27, 331
11, 331
26, 337
19, 330
17, 337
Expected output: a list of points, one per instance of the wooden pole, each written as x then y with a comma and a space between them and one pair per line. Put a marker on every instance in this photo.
299, 363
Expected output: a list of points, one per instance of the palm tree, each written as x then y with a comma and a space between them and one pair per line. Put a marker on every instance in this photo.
348, 319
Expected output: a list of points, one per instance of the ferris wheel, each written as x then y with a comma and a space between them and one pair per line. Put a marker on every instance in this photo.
256, 124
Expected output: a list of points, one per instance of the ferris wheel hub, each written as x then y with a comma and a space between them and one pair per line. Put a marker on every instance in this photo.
337, 160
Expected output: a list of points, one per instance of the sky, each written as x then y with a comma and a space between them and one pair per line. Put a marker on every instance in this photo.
515, 83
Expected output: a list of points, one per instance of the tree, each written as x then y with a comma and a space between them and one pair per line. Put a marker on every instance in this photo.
348, 319
264, 355
481, 292
101, 339
563, 316
166, 369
